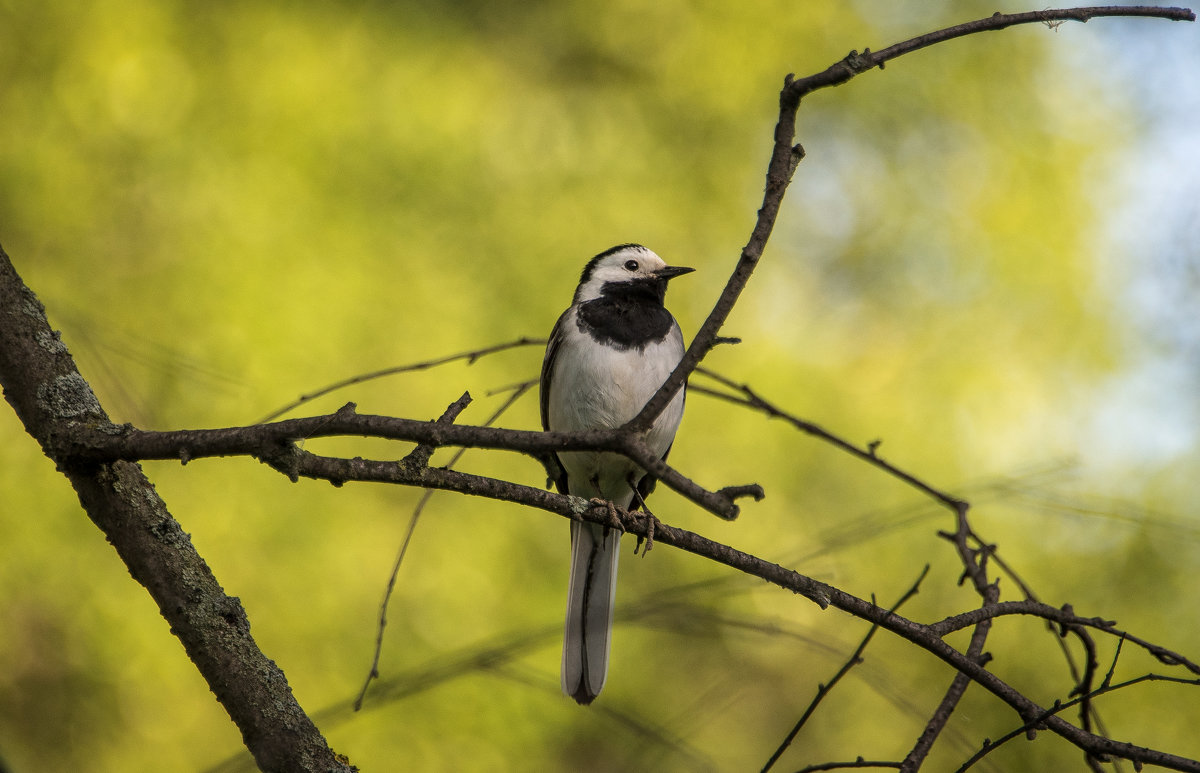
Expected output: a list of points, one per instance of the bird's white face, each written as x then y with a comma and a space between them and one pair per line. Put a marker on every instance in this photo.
625, 265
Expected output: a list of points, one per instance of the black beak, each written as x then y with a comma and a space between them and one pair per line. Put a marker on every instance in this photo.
670, 272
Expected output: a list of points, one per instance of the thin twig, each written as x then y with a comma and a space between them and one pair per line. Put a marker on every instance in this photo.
1061, 616
858, 764
855, 63
990, 746
419, 456
471, 357
748, 397
854, 660
1089, 714
953, 696
426, 495
975, 567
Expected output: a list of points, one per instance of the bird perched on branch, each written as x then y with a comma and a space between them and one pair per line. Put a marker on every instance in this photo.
608, 354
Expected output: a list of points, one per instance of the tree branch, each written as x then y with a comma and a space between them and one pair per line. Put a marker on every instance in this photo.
271, 442
786, 155
1060, 706
1063, 616
855, 63
52, 399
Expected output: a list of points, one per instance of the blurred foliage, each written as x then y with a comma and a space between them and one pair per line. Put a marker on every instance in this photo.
226, 205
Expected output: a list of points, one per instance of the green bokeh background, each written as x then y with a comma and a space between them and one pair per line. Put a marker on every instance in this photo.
226, 205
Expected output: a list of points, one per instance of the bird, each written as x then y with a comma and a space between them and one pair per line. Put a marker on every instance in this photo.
608, 353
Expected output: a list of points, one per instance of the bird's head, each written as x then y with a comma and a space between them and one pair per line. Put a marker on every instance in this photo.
628, 269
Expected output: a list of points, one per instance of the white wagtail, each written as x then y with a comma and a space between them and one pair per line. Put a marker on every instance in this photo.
608, 354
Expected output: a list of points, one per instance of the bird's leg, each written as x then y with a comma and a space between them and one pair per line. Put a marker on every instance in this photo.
651, 521
614, 520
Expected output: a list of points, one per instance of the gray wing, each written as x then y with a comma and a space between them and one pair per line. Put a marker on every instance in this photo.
556, 338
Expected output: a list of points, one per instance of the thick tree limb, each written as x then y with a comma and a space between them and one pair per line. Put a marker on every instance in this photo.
53, 401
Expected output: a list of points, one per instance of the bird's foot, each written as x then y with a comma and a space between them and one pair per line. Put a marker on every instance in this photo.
651, 525
614, 521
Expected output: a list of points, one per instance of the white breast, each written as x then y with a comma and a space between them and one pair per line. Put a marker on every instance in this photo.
595, 387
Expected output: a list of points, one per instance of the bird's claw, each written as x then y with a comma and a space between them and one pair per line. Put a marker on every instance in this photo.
614, 521
651, 525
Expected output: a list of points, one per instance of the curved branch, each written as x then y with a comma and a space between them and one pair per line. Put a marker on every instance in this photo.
785, 156
855, 63
1065, 617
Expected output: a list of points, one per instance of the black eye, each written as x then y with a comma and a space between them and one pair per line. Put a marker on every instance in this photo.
631, 265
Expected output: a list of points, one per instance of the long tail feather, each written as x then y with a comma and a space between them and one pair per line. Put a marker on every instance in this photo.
594, 553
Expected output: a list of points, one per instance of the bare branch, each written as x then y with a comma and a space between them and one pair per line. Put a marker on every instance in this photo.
751, 399
854, 659
271, 442
990, 746
1063, 616
855, 63
471, 357
858, 764
786, 155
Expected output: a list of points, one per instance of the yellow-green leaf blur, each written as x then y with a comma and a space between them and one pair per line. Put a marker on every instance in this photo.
225, 206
